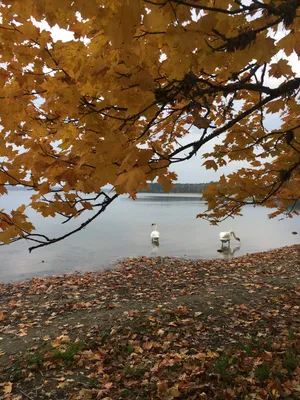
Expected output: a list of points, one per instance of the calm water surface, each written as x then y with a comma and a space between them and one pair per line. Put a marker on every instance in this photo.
124, 230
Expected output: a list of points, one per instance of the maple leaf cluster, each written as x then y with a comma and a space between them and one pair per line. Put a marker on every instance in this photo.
111, 105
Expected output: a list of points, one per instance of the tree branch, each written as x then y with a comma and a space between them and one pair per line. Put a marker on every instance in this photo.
105, 203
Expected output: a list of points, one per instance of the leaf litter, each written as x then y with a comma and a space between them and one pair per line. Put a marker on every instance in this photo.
156, 328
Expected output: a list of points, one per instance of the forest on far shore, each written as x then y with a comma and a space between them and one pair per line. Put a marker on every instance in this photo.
154, 188
178, 188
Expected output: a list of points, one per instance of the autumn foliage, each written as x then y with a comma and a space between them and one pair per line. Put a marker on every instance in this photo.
111, 105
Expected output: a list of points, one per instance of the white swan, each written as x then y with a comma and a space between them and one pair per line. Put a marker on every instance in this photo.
155, 234
226, 236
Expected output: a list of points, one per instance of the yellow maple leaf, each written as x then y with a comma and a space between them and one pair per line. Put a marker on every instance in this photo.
289, 43
7, 388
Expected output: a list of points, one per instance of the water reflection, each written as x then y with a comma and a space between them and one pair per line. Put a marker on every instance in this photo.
195, 198
155, 247
228, 252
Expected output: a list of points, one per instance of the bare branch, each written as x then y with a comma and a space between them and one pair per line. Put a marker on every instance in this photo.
105, 203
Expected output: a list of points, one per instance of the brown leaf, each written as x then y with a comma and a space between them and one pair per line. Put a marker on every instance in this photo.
166, 393
201, 122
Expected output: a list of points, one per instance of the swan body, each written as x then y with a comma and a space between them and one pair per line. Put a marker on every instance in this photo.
226, 236
155, 234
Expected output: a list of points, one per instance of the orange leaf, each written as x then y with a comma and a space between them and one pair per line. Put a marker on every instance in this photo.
210, 164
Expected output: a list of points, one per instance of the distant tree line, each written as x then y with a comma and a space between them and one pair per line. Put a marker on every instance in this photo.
178, 188
154, 188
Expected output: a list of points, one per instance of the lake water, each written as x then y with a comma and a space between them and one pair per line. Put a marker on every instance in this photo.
124, 231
